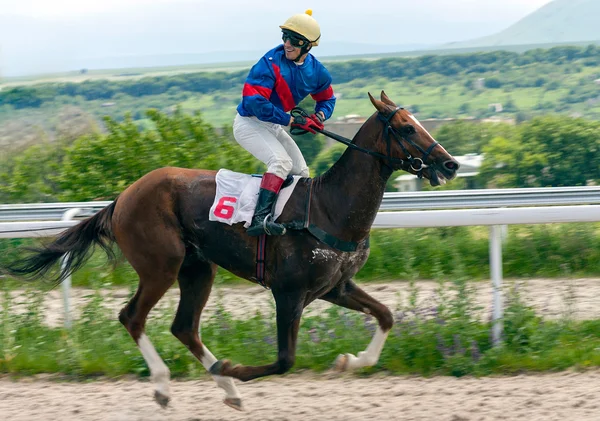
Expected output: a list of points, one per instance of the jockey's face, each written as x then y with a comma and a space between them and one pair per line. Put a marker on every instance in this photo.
291, 52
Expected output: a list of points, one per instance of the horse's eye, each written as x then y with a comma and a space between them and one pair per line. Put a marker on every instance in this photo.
408, 130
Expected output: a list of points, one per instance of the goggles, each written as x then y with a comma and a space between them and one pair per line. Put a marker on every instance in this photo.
295, 39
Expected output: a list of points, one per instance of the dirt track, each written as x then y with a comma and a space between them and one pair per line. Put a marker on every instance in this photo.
564, 396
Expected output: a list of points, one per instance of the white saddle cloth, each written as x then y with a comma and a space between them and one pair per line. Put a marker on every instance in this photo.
237, 195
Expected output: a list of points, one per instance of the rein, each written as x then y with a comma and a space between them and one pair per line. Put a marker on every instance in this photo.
415, 164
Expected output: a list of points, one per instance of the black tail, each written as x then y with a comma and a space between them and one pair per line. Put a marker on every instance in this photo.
76, 243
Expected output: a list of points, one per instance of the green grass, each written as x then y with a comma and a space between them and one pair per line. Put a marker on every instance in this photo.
443, 339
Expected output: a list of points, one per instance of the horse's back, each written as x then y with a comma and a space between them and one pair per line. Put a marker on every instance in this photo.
162, 194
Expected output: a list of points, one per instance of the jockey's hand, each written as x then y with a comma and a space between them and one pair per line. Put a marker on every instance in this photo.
318, 117
308, 125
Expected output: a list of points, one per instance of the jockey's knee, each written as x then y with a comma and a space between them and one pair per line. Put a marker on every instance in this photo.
281, 167
304, 172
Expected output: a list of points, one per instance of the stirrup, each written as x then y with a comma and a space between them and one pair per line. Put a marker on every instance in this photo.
273, 224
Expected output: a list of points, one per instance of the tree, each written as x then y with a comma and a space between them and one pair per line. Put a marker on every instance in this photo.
100, 166
27, 176
462, 137
464, 108
571, 148
547, 152
501, 167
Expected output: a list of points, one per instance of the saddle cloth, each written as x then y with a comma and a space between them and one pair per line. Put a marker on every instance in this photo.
237, 195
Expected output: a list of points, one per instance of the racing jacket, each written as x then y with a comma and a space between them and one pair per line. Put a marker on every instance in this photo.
275, 85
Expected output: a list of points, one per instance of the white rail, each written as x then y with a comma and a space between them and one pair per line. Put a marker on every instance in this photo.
439, 199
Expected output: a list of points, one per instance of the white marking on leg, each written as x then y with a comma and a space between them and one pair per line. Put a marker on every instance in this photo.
225, 383
370, 356
160, 374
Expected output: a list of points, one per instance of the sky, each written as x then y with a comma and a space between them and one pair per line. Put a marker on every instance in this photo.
455, 9
52, 35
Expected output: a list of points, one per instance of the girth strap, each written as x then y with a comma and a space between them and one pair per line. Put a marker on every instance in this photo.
321, 234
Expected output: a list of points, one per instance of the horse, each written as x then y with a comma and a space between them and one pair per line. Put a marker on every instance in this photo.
161, 225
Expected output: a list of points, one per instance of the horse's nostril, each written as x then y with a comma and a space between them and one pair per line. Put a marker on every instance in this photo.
451, 165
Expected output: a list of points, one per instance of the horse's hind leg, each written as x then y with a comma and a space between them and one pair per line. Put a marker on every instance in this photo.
195, 283
349, 295
157, 267
133, 317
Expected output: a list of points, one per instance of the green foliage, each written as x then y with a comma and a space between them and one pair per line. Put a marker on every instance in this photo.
463, 137
29, 176
529, 251
445, 337
327, 157
448, 71
101, 165
547, 152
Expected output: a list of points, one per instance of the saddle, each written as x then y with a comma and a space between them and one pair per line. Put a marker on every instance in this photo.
236, 196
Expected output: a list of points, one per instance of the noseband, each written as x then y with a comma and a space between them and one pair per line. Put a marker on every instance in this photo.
415, 164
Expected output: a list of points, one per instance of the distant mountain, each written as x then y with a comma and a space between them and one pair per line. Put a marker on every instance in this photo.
558, 22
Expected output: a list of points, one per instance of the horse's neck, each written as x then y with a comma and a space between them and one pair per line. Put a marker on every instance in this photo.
350, 193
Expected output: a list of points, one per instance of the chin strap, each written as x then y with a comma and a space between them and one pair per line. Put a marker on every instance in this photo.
303, 50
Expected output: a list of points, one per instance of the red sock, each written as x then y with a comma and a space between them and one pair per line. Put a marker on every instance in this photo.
271, 182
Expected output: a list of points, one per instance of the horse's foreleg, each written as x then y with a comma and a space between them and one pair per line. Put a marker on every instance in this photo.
349, 295
289, 305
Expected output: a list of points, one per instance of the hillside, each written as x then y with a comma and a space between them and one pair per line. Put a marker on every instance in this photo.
560, 21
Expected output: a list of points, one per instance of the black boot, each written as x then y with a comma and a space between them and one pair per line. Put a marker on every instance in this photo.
262, 222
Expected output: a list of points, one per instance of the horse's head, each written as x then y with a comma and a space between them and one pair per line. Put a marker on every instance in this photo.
408, 146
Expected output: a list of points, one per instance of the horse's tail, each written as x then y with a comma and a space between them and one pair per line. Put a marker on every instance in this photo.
76, 243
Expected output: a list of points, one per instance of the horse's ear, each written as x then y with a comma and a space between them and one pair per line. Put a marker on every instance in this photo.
386, 100
377, 104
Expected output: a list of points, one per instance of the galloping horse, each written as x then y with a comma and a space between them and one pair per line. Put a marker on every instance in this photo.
162, 227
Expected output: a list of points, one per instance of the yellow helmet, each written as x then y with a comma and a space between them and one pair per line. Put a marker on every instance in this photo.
305, 25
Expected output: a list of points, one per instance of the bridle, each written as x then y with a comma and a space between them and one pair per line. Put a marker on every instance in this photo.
410, 162
415, 164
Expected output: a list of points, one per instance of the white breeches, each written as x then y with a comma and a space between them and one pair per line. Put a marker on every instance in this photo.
269, 143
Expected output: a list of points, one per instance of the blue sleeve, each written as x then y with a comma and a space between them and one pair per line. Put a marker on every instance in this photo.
257, 91
324, 95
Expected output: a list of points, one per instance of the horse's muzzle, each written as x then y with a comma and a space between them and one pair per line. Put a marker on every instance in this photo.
438, 175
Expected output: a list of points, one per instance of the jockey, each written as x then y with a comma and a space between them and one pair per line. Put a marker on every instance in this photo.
275, 85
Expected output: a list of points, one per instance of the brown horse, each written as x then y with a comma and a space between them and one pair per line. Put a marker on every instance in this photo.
161, 225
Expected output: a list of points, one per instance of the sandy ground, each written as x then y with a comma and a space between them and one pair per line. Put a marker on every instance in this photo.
564, 396
329, 396
579, 298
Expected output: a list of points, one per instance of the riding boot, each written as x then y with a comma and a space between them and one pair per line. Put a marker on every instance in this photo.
262, 222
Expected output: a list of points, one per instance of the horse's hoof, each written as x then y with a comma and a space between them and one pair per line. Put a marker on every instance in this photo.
341, 363
235, 403
217, 368
161, 399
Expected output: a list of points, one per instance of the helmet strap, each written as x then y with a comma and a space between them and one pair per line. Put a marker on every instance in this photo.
303, 50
